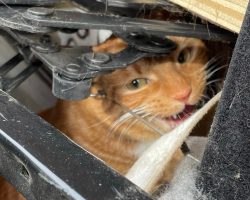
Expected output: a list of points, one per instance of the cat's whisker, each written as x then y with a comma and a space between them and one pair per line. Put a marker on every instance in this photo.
211, 68
140, 108
98, 123
125, 130
125, 117
214, 81
119, 122
115, 125
202, 99
152, 118
149, 125
211, 89
205, 97
214, 66
136, 110
215, 60
210, 74
210, 65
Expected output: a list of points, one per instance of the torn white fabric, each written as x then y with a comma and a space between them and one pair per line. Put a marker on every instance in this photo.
183, 185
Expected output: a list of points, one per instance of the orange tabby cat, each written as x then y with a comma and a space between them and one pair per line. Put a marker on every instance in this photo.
161, 90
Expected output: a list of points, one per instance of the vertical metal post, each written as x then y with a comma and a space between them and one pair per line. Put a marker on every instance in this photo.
225, 169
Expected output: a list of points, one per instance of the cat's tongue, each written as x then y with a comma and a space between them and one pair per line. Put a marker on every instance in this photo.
180, 117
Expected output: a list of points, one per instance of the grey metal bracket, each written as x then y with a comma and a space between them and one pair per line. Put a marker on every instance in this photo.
13, 19
8, 83
74, 68
72, 77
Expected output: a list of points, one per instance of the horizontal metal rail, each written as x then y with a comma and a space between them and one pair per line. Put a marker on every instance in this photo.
42, 163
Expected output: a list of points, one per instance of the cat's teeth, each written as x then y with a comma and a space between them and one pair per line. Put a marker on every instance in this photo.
175, 117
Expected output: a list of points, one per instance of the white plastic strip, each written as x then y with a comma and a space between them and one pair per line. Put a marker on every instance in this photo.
148, 168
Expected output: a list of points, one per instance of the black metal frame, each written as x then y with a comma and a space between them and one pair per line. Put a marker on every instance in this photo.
43, 164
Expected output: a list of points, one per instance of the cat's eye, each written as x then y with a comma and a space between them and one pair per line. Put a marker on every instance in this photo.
137, 83
184, 55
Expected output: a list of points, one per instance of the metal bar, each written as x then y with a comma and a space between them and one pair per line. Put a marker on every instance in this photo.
42, 163
126, 4
11, 83
30, 2
225, 169
96, 6
42, 20
137, 3
77, 20
10, 64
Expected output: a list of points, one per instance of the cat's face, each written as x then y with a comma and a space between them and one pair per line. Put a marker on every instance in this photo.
163, 90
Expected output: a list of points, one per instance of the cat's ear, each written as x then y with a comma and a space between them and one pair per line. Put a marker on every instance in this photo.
112, 45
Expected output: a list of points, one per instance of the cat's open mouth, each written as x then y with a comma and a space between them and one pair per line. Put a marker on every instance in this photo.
181, 116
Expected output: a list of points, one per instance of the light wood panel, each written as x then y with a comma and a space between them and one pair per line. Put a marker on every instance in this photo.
225, 13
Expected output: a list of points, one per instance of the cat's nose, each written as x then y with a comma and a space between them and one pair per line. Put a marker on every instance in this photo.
182, 95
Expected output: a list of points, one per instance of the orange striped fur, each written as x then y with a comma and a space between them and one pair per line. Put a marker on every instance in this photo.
88, 122
169, 86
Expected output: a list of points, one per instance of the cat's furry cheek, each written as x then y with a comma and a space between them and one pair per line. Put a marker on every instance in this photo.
195, 98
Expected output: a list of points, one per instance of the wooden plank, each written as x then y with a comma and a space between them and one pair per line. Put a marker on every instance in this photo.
228, 14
